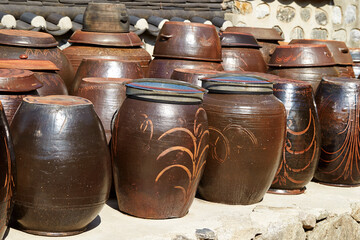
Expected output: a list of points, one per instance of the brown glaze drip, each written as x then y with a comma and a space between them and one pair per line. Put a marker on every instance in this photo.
57, 100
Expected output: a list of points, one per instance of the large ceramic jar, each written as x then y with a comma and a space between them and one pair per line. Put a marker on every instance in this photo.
305, 62
7, 171
107, 95
106, 68
192, 76
21, 44
302, 145
159, 147
268, 38
355, 55
124, 46
185, 45
247, 133
338, 104
340, 52
240, 52
15, 84
63, 165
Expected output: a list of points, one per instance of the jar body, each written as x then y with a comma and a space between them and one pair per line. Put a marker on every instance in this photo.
63, 168
159, 151
302, 145
243, 59
338, 107
52, 83
246, 140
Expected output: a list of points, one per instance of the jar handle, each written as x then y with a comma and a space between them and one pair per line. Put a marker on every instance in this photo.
166, 36
344, 50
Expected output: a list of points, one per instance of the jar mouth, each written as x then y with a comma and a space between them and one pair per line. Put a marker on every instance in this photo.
164, 90
237, 83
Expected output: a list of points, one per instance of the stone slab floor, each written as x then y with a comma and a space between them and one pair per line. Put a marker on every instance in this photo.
323, 212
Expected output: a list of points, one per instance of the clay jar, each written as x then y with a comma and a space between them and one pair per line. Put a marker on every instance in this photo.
337, 100
107, 95
185, 45
22, 44
268, 38
305, 62
192, 76
121, 46
339, 51
240, 51
15, 84
106, 68
44, 71
159, 147
7, 171
355, 55
247, 130
302, 145
63, 165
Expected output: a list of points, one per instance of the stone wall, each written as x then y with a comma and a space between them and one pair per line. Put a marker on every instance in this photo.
320, 19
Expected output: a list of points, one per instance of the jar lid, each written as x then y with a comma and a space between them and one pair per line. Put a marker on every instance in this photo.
106, 39
236, 39
237, 83
269, 34
164, 90
25, 38
355, 54
18, 80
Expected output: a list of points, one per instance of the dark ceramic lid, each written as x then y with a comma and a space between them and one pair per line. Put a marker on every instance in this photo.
302, 55
259, 33
355, 54
25, 38
100, 80
106, 39
28, 64
164, 90
234, 39
18, 80
237, 83
58, 100
339, 49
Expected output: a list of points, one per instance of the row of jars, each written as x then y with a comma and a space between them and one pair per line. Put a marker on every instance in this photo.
168, 142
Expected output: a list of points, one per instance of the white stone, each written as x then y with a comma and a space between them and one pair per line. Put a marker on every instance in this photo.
355, 35
336, 15
355, 211
262, 10
308, 220
350, 14
339, 35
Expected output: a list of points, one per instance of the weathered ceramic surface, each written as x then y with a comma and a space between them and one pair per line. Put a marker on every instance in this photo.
194, 41
163, 68
63, 165
105, 17
52, 83
159, 149
192, 76
106, 94
106, 68
7, 171
243, 59
247, 129
338, 104
18, 80
302, 145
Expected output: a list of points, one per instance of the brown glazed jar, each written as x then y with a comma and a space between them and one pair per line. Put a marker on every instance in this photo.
240, 51
192, 76
122, 46
339, 51
268, 38
338, 104
106, 68
247, 131
22, 44
159, 146
7, 171
305, 62
15, 84
106, 94
163, 68
63, 165
302, 144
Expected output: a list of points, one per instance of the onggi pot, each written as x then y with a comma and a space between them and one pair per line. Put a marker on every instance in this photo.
339, 108
63, 165
159, 147
247, 130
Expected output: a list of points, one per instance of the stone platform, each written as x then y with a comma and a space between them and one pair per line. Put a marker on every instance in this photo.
322, 213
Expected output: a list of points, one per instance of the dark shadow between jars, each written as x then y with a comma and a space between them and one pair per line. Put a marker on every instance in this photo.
112, 202
96, 222
6, 232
